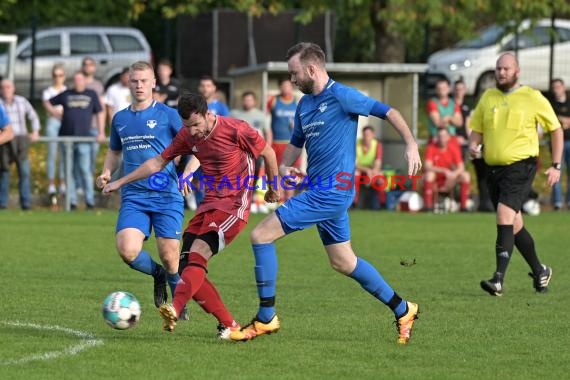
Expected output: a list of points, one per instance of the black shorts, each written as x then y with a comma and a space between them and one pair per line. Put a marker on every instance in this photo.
511, 184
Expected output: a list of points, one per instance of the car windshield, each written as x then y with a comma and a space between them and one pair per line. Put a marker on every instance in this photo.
488, 37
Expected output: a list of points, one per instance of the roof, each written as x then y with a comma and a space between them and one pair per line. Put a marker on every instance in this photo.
353, 68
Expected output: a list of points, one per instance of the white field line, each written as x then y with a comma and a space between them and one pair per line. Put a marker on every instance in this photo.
87, 340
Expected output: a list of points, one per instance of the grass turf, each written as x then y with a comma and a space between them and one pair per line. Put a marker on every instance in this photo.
58, 267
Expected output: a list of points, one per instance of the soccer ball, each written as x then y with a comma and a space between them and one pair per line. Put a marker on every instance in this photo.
121, 310
532, 207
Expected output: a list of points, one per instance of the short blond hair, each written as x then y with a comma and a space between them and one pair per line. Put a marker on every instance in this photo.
141, 66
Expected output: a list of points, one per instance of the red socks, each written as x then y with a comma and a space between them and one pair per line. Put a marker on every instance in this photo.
209, 299
464, 195
192, 279
428, 195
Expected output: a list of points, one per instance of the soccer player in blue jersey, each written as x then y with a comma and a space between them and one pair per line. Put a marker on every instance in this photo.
139, 132
325, 124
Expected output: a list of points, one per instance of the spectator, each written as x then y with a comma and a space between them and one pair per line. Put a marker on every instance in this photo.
462, 132
167, 83
18, 109
256, 118
80, 104
561, 105
443, 112
369, 163
444, 169
159, 94
118, 95
282, 110
53, 124
208, 88
89, 68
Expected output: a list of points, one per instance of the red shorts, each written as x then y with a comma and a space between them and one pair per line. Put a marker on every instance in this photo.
227, 226
279, 148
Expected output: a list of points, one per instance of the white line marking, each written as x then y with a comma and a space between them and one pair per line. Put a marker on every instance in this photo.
87, 340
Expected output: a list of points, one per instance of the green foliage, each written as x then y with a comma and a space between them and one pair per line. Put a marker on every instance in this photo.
60, 266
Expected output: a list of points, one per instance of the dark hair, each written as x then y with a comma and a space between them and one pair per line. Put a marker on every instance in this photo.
190, 103
557, 80
283, 79
248, 93
442, 79
308, 52
165, 62
459, 81
208, 77
368, 127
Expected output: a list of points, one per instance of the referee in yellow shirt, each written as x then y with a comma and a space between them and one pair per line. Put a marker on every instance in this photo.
505, 123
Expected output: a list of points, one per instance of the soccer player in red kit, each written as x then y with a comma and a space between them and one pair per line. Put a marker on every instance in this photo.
444, 169
226, 149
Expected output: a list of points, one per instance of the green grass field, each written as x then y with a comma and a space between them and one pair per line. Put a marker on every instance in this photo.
58, 267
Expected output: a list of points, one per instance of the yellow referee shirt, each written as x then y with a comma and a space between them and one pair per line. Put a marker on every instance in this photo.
508, 123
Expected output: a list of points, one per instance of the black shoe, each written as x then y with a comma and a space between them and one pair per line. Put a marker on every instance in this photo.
540, 283
493, 286
160, 294
73, 207
89, 207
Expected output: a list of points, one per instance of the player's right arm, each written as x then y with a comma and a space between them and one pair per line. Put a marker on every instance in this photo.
150, 166
112, 159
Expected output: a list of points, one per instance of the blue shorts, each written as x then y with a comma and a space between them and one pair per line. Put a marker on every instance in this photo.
165, 215
327, 209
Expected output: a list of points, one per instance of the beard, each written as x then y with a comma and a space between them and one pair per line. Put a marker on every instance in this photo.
306, 86
508, 85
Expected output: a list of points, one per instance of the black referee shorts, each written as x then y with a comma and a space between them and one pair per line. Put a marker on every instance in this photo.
511, 184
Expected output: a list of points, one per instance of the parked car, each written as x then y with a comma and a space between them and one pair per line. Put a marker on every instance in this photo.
474, 60
113, 48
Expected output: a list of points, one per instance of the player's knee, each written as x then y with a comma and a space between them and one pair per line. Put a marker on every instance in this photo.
341, 266
258, 235
429, 176
127, 255
465, 177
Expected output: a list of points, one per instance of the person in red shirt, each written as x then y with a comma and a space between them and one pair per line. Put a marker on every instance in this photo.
444, 169
226, 149
443, 112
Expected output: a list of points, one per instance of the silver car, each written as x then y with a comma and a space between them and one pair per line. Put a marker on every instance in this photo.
474, 60
112, 48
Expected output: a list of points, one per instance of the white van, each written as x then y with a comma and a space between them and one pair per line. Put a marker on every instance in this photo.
112, 48
474, 60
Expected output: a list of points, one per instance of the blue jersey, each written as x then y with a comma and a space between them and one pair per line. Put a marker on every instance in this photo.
282, 118
218, 108
326, 124
141, 135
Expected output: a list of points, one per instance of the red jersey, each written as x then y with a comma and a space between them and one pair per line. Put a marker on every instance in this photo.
227, 157
444, 158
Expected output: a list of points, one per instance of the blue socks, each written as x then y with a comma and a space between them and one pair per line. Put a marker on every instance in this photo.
144, 263
371, 280
172, 281
265, 277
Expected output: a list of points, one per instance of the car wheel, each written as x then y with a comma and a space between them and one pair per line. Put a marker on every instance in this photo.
486, 81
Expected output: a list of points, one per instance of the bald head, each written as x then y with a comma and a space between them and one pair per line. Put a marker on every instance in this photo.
7, 89
508, 58
507, 72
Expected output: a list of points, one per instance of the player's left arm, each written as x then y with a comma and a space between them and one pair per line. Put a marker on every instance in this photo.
270, 161
411, 154
549, 121
189, 170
